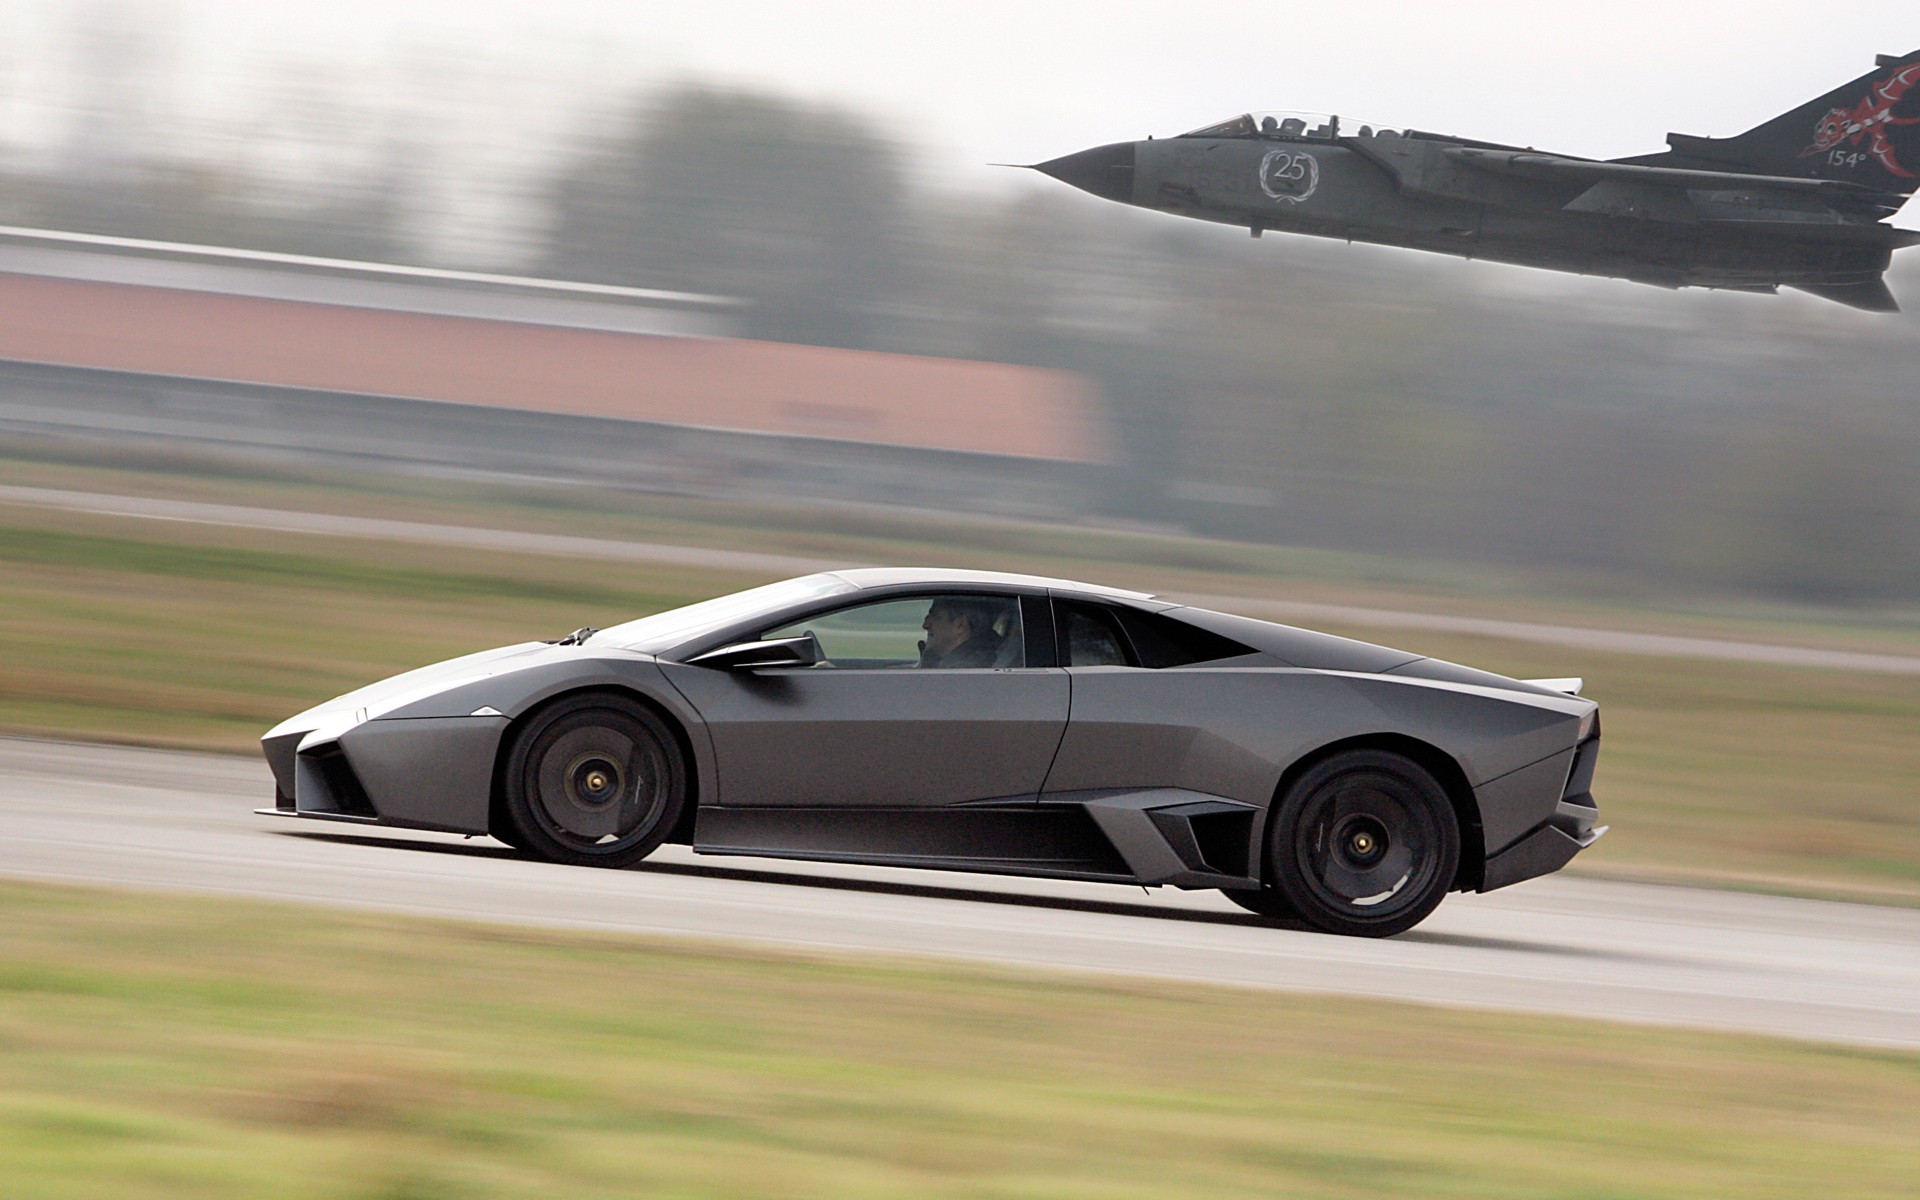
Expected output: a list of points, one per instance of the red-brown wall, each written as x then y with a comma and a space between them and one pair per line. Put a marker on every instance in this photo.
727, 384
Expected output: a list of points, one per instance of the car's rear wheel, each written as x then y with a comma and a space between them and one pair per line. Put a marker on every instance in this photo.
1266, 902
1365, 844
596, 780
504, 831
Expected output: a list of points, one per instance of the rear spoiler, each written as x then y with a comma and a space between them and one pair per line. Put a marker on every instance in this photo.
1570, 686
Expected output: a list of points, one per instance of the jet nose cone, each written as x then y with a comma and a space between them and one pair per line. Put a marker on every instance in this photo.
1106, 171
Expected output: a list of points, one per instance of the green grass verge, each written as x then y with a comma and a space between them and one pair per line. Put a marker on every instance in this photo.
189, 635
171, 1047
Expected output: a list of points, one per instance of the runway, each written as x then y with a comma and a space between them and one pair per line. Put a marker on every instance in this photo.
151, 819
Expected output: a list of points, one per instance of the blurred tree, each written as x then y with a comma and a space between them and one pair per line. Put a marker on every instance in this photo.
113, 170
798, 210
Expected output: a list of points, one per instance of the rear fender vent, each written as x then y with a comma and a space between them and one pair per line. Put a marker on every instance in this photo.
1209, 836
1225, 840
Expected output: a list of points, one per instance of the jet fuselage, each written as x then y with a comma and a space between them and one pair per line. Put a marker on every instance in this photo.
1798, 201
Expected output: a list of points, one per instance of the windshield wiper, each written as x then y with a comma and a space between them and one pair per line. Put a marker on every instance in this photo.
577, 638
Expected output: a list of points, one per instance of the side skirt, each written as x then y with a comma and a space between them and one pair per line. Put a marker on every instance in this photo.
356, 819
1157, 836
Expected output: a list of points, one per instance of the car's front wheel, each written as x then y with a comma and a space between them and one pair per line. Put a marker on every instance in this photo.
1365, 844
595, 780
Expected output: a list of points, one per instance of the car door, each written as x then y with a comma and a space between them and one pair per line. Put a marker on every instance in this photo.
1148, 713
875, 725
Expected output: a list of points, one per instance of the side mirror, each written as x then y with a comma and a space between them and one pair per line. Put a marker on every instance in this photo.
781, 652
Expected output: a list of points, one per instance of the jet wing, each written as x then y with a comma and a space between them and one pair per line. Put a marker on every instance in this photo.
1789, 204
1553, 168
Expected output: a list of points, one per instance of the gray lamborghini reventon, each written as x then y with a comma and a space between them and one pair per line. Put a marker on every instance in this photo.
977, 721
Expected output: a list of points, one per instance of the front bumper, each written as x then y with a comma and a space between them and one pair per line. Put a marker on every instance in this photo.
421, 773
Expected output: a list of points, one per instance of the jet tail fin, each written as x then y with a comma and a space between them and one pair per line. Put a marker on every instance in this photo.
1873, 296
1865, 132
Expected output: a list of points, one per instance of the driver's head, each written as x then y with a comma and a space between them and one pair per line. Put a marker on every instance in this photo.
951, 621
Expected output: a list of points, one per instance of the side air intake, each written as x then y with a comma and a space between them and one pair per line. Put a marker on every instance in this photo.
324, 782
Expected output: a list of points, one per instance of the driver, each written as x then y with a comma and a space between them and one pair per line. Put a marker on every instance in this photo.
959, 633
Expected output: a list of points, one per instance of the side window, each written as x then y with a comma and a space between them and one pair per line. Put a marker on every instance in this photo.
1090, 637
1163, 641
1096, 635
940, 632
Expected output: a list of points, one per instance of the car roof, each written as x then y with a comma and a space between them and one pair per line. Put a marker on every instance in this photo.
876, 577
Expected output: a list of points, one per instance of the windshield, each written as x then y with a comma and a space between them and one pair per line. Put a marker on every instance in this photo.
667, 629
1285, 125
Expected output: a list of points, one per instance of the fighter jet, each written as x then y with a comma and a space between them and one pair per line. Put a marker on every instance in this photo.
1799, 201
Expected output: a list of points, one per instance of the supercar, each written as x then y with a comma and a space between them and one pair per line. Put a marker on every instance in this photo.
978, 721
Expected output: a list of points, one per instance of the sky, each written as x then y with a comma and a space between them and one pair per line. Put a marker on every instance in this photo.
986, 81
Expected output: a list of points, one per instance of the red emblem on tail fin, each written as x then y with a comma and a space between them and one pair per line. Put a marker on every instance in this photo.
1868, 121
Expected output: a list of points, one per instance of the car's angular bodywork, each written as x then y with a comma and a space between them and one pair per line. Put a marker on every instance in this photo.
1119, 738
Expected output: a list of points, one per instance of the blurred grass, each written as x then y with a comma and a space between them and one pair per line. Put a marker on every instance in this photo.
1141, 557
204, 637
170, 1047
168, 633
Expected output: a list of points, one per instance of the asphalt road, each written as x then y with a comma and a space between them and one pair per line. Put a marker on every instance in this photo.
612, 550
183, 822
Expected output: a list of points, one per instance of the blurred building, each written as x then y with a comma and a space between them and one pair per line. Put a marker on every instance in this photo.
267, 353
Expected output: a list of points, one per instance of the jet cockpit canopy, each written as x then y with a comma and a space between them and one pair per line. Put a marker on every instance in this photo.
1283, 125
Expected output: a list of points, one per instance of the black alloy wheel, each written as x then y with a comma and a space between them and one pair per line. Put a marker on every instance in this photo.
1364, 844
595, 780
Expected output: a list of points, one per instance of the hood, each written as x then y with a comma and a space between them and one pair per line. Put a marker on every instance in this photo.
410, 685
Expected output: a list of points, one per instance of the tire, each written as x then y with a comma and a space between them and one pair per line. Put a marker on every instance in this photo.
511, 836
1267, 902
594, 780
1365, 844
